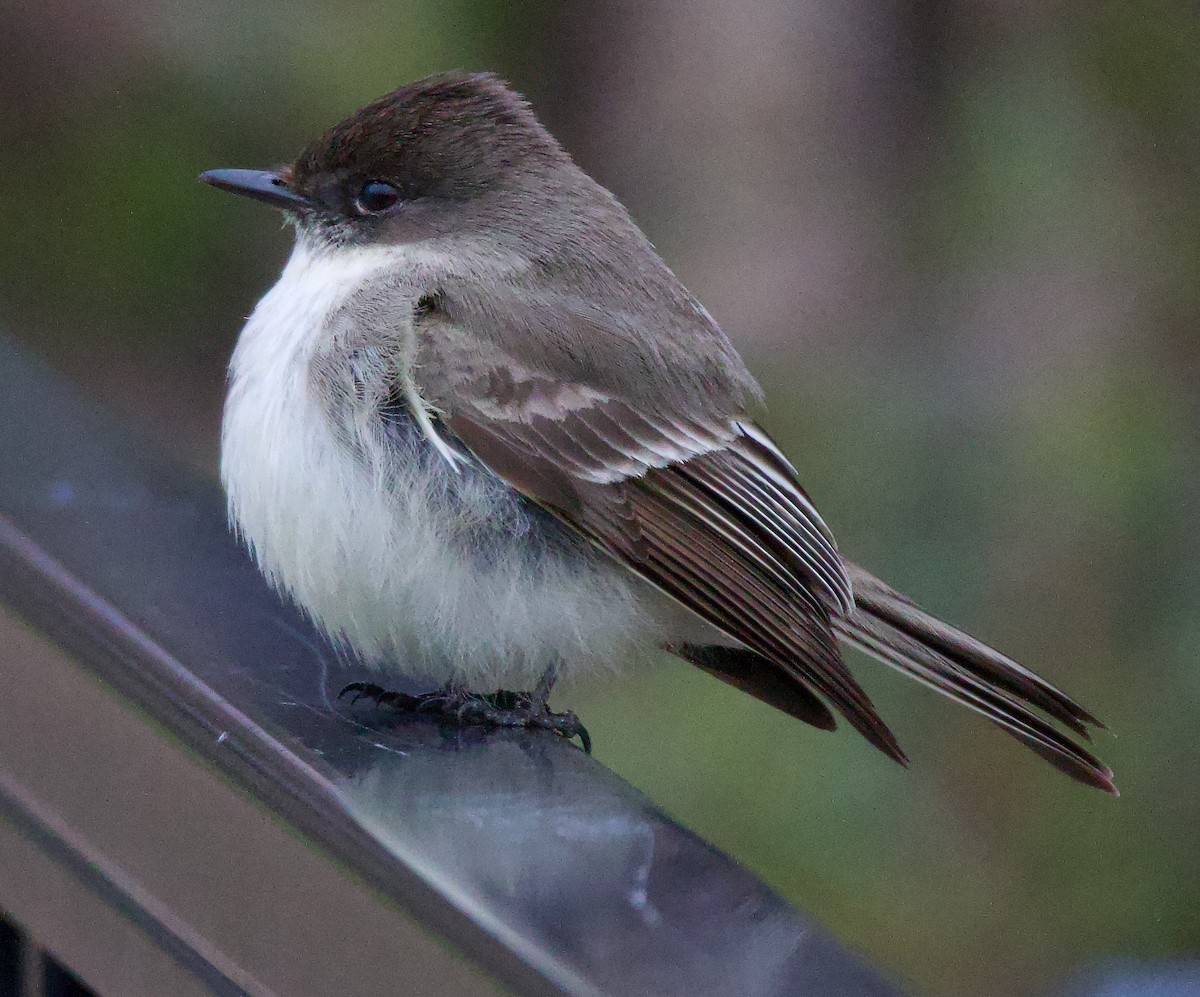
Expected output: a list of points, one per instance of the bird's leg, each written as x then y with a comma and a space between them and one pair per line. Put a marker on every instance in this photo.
450, 696
497, 709
504, 709
526, 709
541, 691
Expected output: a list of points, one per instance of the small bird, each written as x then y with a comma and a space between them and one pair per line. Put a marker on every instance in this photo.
479, 431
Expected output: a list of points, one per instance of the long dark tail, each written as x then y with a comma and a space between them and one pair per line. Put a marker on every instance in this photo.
890, 627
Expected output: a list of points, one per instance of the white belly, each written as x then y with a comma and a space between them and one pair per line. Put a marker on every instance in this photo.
413, 566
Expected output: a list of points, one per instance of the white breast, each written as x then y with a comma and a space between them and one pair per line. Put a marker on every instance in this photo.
474, 589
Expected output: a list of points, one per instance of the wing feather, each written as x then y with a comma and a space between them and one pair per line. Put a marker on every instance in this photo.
714, 578
700, 502
666, 496
732, 483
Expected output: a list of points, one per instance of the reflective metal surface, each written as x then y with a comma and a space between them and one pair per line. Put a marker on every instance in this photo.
522, 852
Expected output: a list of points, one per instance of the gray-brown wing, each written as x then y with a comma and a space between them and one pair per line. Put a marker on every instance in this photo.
700, 502
708, 511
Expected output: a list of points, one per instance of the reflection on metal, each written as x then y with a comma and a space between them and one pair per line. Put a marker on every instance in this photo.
529, 861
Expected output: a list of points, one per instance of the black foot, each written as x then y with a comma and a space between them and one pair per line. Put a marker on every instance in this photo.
520, 709
497, 709
428, 702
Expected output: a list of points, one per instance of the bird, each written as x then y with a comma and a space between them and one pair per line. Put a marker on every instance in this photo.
479, 431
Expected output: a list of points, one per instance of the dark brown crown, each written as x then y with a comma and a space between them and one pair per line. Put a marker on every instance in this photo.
453, 136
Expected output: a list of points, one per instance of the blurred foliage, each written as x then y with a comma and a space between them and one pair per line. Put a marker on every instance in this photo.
961, 245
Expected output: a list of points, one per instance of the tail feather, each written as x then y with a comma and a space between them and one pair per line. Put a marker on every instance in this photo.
890, 627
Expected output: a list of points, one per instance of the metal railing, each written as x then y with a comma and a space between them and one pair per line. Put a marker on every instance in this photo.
185, 808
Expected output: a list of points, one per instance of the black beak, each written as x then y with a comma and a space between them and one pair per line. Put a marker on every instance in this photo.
261, 185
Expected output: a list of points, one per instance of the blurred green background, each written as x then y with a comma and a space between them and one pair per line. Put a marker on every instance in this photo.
960, 245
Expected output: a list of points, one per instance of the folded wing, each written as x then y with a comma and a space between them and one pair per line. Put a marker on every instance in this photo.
707, 509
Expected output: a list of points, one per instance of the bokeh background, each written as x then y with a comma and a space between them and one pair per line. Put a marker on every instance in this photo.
960, 245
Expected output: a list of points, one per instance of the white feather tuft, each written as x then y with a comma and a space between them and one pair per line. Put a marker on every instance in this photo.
415, 563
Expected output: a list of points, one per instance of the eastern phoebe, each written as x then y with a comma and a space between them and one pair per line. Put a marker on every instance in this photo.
479, 431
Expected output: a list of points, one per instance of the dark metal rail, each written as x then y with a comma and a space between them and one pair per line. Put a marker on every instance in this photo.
221, 825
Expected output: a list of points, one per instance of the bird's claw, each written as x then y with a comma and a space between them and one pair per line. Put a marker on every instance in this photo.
498, 709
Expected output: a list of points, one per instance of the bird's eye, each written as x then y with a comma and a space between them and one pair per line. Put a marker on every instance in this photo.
375, 196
